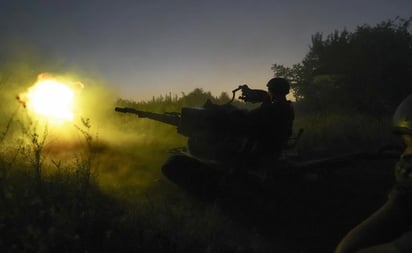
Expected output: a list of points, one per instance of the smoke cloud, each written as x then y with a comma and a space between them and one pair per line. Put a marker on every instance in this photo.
127, 151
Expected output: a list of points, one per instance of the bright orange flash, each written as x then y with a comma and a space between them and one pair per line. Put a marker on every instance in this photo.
51, 99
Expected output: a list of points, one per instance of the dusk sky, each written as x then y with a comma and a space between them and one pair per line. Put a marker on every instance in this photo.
153, 47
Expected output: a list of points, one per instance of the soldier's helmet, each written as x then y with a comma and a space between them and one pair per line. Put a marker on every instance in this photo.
402, 118
278, 85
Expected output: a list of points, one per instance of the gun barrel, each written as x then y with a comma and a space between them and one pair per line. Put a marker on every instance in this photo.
167, 118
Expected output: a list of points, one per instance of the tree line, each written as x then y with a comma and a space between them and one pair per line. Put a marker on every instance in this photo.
368, 70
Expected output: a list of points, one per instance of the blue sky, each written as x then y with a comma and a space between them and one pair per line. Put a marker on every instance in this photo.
147, 48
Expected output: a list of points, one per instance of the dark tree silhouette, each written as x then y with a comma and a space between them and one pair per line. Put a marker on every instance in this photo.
368, 70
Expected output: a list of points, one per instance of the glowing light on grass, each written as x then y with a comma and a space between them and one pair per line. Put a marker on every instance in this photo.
50, 99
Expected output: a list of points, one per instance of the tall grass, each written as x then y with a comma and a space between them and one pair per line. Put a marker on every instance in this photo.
336, 133
53, 205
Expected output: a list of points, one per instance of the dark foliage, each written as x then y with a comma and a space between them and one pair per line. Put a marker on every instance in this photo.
368, 70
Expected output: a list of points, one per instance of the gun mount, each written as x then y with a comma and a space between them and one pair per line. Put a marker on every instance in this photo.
212, 130
215, 133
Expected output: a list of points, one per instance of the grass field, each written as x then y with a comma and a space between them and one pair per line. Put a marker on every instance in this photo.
101, 190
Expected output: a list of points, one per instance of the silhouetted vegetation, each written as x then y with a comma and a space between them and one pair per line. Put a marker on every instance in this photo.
368, 70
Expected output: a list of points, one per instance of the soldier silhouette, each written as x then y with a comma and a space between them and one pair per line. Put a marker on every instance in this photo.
270, 125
